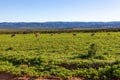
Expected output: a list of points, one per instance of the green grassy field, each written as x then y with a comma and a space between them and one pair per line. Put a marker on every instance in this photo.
62, 55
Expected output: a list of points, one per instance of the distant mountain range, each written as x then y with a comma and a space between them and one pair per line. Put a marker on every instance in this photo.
31, 25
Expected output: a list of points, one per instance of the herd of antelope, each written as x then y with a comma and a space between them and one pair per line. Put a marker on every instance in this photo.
38, 34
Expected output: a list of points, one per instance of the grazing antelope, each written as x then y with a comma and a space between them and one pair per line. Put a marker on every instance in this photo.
24, 32
74, 34
51, 34
13, 35
92, 34
37, 35
108, 34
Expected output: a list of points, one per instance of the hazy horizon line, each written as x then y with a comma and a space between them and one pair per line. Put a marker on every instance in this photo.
50, 21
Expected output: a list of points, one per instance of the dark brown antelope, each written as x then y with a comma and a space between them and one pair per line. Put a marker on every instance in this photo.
13, 35
24, 32
92, 34
74, 34
108, 34
51, 34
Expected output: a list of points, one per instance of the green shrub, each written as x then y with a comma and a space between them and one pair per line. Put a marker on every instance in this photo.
92, 50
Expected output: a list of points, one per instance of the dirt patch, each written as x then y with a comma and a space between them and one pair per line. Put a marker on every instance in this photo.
52, 78
8, 76
76, 78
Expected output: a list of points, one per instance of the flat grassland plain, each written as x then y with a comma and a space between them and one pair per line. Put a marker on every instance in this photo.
60, 56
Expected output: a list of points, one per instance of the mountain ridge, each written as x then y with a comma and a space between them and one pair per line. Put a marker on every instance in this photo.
113, 24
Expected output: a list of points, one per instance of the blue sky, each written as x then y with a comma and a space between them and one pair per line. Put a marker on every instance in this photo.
59, 10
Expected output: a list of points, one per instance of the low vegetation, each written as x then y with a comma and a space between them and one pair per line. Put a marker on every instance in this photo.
62, 55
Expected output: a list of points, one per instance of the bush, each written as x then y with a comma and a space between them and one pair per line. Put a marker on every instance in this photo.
92, 50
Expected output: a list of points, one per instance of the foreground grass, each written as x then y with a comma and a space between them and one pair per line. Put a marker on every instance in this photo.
61, 55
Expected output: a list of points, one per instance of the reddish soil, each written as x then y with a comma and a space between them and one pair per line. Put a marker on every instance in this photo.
75, 79
7, 76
